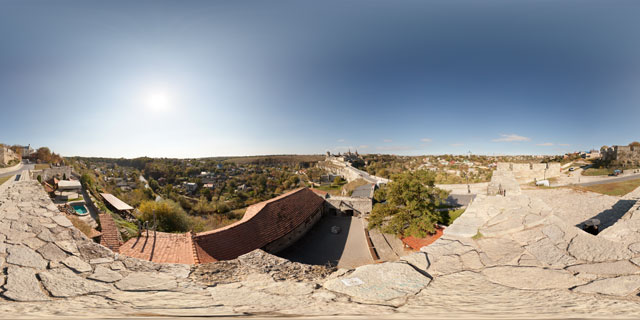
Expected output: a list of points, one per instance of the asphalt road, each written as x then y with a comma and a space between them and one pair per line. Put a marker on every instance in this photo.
24, 167
611, 180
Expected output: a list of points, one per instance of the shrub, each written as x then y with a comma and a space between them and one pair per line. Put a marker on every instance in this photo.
169, 214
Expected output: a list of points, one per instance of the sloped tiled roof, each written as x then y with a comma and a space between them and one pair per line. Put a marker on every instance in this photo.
110, 237
262, 224
161, 247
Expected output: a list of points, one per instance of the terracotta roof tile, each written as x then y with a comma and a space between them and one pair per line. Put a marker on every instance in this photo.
161, 247
417, 243
262, 224
110, 236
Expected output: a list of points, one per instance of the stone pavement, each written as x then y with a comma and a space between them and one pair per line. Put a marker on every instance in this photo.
544, 268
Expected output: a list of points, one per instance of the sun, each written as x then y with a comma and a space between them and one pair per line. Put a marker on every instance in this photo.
158, 100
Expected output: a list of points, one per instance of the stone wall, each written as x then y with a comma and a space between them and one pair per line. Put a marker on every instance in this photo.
361, 206
58, 172
7, 155
528, 172
349, 173
622, 156
295, 235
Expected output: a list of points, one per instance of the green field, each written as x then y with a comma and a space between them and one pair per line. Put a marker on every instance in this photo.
4, 179
613, 189
597, 172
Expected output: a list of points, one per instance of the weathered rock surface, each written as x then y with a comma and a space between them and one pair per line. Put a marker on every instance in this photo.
531, 278
65, 283
76, 264
146, 281
22, 285
26, 257
593, 249
619, 286
380, 282
621, 267
105, 274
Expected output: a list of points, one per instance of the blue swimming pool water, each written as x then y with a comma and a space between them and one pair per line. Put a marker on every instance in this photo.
80, 209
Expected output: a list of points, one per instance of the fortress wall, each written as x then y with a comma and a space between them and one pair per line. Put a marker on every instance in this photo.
528, 172
363, 206
293, 236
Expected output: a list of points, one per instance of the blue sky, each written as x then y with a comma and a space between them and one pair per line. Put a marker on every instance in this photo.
212, 78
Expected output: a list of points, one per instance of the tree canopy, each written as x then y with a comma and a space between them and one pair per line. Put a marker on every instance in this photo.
170, 216
408, 205
634, 144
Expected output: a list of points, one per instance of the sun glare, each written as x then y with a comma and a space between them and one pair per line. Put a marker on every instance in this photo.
158, 100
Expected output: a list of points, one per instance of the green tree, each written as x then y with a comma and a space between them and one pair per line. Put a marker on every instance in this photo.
86, 180
408, 205
169, 215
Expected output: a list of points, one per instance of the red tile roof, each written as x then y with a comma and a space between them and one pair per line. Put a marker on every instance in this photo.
262, 224
417, 243
110, 235
161, 247
319, 192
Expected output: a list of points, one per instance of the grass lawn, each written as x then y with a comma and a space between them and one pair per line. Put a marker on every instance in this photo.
41, 166
597, 172
453, 215
613, 189
5, 179
447, 217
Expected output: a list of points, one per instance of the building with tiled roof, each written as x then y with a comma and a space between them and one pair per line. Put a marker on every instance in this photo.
110, 237
271, 225
161, 247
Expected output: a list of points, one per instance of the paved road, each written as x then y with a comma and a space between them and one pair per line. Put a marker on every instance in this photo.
611, 180
19, 171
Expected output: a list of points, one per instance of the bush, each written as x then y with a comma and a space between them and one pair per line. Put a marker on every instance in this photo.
170, 216
39, 178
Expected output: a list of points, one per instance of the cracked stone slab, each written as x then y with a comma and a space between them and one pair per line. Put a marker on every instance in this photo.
620, 286
547, 252
105, 274
52, 252
621, 267
62, 221
501, 250
68, 246
22, 285
594, 249
418, 260
63, 283
531, 278
146, 281
76, 264
380, 282
26, 257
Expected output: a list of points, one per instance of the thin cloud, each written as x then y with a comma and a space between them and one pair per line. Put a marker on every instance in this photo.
427, 140
511, 138
364, 146
546, 144
457, 144
341, 140
387, 140
393, 148
564, 144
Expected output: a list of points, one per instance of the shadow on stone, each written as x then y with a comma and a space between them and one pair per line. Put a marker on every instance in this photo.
608, 217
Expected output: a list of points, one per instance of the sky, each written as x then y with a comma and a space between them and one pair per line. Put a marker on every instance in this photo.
220, 78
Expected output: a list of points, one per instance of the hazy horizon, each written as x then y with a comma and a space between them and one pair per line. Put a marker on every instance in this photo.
212, 78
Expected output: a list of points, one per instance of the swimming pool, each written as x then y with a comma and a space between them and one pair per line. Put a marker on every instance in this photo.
80, 209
